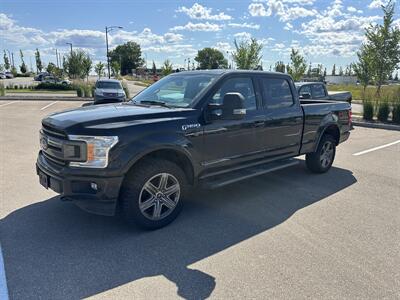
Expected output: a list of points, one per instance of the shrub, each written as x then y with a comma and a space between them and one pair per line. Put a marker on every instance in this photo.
126, 90
87, 91
383, 110
368, 110
16, 87
54, 86
2, 90
80, 91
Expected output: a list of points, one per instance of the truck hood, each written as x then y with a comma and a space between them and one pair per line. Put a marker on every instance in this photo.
112, 116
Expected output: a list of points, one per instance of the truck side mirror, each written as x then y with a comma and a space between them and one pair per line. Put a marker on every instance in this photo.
305, 96
232, 108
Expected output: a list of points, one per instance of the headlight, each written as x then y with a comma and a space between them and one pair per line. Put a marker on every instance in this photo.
121, 94
97, 148
97, 92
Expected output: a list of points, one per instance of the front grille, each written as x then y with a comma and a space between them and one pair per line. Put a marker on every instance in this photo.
51, 143
110, 94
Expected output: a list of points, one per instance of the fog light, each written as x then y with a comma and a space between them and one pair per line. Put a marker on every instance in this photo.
93, 185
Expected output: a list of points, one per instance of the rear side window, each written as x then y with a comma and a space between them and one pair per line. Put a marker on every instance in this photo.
318, 91
242, 85
276, 93
305, 90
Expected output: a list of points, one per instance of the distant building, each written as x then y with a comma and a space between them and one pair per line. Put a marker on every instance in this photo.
330, 79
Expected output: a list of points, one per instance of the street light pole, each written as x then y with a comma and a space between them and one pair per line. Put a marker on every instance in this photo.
108, 29
71, 47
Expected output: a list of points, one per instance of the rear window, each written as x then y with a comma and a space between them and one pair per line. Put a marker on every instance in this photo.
318, 91
276, 93
108, 85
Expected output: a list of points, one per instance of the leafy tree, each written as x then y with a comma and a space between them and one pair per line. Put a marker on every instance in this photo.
6, 61
383, 44
166, 68
39, 65
14, 71
129, 55
99, 69
1, 67
115, 68
76, 64
51, 68
363, 68
154, 68
325, 73
341, 71
334, 70
297, 66
396, 78
280, 66
86, 66
210, 58
22, 67
247, 55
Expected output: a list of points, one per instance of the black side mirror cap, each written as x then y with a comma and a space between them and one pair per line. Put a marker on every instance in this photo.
233, 106
305, 96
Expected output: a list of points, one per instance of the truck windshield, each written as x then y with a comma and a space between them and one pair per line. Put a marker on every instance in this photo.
175, 90
108, 85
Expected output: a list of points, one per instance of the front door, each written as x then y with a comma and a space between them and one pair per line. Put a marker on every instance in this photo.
232, 141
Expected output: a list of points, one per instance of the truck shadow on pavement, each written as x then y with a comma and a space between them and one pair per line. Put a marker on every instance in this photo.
52, 250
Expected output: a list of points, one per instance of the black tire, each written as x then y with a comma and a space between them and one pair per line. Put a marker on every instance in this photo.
134, 191
316, 161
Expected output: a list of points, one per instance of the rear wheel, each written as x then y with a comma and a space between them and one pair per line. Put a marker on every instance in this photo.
152, 193
321, 160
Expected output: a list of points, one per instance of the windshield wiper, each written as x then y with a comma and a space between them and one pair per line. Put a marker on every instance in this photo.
154, 102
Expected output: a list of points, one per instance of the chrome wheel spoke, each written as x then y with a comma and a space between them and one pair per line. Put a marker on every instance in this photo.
150, 188
147, 204
168, 202
163, 182
172, 189
157, 209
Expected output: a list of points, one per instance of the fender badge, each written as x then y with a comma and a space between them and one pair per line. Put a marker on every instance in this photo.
190, 126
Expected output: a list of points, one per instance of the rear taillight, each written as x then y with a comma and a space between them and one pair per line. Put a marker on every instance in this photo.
350, 116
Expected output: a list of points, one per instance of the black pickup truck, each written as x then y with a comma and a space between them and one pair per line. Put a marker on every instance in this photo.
318, 91
208, 128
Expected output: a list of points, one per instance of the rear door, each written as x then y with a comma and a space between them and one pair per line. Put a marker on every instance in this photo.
282, 130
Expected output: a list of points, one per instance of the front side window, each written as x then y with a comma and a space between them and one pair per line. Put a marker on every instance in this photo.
318, 91
305, 90
175, 90
276, 93
242, 85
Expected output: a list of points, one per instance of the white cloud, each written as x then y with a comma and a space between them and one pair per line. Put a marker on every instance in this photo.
281, 9
224, 47
244, 25
258, 10
376, 4
198, 27
288, 26
242, 35
199, 12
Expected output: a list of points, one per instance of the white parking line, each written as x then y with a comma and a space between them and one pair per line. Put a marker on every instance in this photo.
3, 282
48, 105
5, 104
376, 148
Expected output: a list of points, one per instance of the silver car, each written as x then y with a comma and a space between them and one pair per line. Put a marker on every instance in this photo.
108, 91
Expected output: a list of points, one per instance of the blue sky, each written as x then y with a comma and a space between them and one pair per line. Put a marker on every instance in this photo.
325, 31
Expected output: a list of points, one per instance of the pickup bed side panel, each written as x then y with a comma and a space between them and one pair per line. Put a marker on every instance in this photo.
318, 117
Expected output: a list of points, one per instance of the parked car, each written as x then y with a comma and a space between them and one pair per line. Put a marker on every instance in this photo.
53, 79
208, 128
9, 75
318, 90
108, 91
2, 75
41, 76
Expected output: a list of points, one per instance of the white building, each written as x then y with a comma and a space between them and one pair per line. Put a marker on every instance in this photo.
330, 79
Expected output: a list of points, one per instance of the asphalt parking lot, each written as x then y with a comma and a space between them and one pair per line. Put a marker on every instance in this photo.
288, 234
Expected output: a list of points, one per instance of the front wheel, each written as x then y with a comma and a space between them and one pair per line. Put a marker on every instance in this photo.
322, 159
152, 193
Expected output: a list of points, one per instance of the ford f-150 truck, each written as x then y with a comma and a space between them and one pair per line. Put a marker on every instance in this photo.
210, 128
318, 91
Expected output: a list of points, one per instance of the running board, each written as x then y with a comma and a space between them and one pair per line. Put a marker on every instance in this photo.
238, 175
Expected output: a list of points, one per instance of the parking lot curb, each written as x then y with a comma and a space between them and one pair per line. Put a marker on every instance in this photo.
41, 98
361, 123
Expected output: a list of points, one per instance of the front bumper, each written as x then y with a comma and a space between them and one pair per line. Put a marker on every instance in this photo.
78, 187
